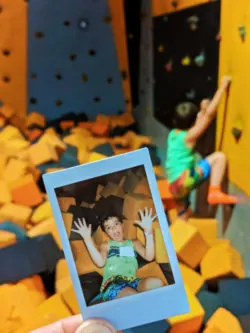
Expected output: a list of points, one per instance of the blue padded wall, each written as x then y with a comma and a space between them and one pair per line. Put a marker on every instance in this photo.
62, 76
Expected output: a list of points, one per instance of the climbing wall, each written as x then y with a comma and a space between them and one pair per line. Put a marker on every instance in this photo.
13, 50
72, 59
234, 112
186, 54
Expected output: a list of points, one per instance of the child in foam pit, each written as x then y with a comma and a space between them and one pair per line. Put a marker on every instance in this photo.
183, 173
118, 257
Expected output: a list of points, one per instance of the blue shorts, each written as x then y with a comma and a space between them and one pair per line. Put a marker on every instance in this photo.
115, 287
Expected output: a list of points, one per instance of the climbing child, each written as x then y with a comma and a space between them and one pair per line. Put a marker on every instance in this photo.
183, 173
118, 257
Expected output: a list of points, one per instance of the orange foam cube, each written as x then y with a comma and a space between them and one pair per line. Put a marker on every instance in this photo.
26, 192
153, 270
86, 124
63, 279
161, 255
190, 322
222, 261
166, 196
100, 129
134, 202
35, 118
65, 203
2, 121
188, 243
48, 312
65, 124
33, 134
69, 297
225, 322
7, 111
206, 227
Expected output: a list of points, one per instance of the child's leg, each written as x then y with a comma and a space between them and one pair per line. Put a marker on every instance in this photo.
149, 284
218, 165
126, 292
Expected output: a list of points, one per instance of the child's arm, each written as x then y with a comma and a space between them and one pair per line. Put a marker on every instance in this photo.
147, 252
205, 119
99, 258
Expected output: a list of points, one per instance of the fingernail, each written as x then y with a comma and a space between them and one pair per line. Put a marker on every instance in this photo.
96, 326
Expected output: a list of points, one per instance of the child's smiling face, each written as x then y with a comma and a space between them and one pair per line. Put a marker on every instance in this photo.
113, 228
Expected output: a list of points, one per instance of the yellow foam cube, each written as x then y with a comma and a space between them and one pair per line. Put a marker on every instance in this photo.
42, 212
221, 261
191, 278
129, 229
83, 155
7, 238
5, 195
16, 213
63, 278
190, 322
69, 297
225, 322
9, 133
7, 111
3, 162
14, 170
45, 227
51, 138
42, 152
93, 157
161, 255
152, 270
76, 140
48, 312
188, 243
206, 227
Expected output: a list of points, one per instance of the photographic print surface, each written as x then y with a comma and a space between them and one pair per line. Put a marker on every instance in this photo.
115, 235
116, 240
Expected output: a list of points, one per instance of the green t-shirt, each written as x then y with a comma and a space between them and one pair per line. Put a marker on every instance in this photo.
179, 156
121, 260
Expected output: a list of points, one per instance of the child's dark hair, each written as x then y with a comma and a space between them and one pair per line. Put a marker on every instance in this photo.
106, 217
185, 115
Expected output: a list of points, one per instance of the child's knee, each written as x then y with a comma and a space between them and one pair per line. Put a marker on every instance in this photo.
221, 156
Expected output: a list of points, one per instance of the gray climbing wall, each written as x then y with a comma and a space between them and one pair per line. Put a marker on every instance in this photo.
72, 61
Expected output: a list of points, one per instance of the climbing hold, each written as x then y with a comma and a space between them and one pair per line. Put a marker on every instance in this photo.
191, 94
169, 66
161, 48
193, 22
83, 24
243, 32
200, 59
237, 130
218, 37
186, 61
175, 3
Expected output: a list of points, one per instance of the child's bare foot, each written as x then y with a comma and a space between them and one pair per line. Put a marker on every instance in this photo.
217, 197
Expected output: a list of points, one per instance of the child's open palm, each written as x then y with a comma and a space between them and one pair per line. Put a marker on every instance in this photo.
146, 220
82, 229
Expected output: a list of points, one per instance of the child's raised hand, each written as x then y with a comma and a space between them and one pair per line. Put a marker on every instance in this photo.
83, 229
146, 220
225, 82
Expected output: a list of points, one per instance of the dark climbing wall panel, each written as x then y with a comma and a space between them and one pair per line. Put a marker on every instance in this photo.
177, 37
133, 16
72, 61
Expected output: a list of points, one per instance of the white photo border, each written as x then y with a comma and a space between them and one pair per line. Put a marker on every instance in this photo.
130, 311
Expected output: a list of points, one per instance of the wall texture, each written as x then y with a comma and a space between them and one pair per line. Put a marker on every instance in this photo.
234, 60
13, 54
27, 81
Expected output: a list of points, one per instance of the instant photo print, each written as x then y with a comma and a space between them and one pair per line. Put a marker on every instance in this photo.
116, 240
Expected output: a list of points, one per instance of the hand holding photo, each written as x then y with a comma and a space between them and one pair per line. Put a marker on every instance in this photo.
116, 240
